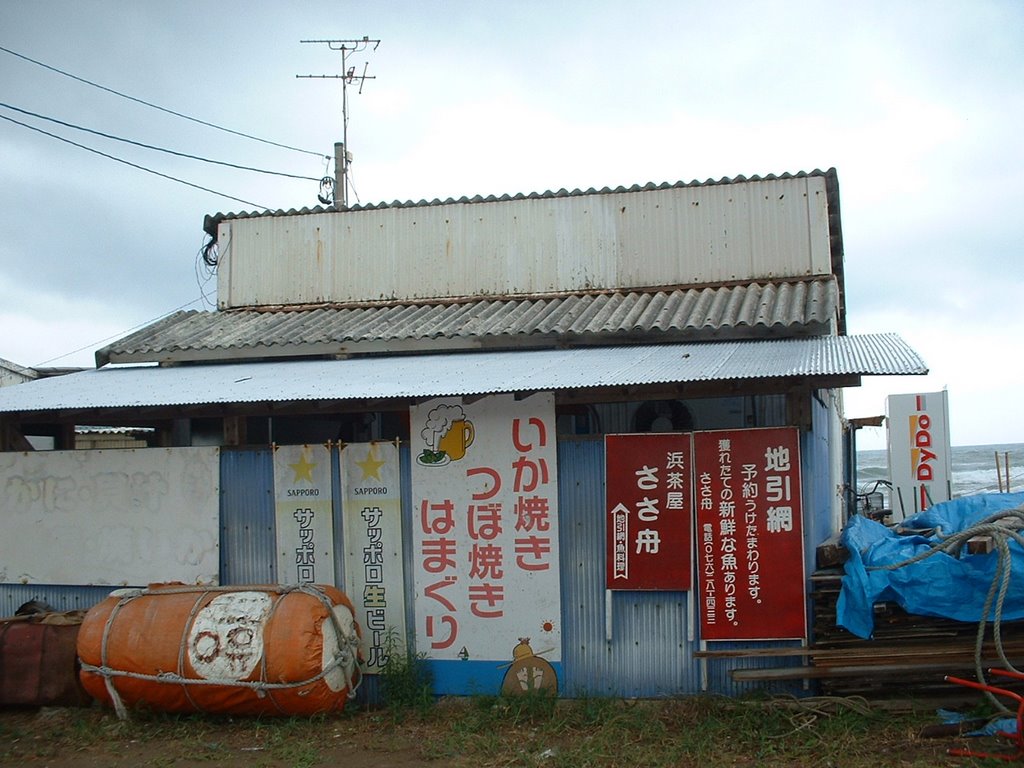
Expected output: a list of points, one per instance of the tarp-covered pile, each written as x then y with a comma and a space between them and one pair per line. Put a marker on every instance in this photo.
949, 585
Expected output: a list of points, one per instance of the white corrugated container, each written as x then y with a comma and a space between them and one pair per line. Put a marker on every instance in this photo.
683, 235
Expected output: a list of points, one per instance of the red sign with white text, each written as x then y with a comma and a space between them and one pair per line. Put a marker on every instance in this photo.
649, 508
749, 535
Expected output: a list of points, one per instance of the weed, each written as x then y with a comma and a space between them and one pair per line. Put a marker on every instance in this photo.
406, 684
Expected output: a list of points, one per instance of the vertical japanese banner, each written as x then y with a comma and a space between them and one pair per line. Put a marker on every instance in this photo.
648, 506
303, 515
749, 534
374, 572
485, 542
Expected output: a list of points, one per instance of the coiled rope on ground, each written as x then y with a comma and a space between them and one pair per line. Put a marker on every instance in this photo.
1002, 527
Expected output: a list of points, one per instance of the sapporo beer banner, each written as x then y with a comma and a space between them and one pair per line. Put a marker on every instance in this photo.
372, 511
649, 505
485, 528
304, 526
749, 535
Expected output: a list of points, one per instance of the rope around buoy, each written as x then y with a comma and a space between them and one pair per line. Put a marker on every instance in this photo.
345, 656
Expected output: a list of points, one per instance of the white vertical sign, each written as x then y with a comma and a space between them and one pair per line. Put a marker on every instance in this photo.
374, 572
305, 530
920, 460
485, 528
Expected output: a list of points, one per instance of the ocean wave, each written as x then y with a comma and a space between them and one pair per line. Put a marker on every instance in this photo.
974, 468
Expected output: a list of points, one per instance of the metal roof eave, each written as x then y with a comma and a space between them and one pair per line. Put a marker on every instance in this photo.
465, 373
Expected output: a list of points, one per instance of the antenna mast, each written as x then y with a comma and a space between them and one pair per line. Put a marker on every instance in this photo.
344, 158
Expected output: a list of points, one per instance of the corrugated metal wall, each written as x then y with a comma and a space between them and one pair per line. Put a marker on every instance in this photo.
649, 654
653, 634
820, 487
247, 543
685, 235
58, 597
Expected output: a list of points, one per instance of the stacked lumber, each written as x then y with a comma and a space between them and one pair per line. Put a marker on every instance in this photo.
907, 658
907, 655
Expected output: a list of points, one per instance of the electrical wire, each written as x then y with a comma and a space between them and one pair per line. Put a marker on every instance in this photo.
120, 334
133, 165
150, 146
157, 106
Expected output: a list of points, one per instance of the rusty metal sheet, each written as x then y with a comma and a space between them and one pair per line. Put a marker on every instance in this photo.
38, 664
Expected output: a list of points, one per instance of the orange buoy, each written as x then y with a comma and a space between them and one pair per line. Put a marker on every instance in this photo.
247, 650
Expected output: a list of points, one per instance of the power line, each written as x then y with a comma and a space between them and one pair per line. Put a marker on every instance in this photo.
157, 149
157, 106
133, 165
119, 334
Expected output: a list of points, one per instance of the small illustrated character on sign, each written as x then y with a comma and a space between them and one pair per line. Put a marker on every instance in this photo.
529, 673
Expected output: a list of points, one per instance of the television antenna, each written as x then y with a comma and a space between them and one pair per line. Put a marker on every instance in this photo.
343, 158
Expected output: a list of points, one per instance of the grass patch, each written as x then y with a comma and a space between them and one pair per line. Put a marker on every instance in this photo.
529, 731
691, 731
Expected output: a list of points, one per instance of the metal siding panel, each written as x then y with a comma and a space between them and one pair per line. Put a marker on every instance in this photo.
649, 654
555, 242
59, 597
721, 682
247, 539
405, 469
338, 521
819, 486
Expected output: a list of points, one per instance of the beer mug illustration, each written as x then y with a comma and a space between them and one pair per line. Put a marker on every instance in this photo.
458, 438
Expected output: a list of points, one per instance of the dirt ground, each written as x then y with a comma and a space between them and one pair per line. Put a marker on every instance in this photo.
94, 738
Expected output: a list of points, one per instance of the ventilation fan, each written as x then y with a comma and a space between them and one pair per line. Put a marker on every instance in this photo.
663, 416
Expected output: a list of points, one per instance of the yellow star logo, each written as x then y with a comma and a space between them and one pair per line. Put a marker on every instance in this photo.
371, 465
303, 469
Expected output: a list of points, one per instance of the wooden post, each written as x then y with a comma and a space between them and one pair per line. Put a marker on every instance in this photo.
234, 431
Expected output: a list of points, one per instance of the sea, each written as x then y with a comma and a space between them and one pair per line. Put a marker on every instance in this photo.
974, 468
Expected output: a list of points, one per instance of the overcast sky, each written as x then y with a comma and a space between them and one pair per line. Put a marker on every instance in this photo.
918, 105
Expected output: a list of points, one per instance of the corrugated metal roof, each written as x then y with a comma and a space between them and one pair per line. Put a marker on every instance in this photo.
6, 366
465, 373
804, 308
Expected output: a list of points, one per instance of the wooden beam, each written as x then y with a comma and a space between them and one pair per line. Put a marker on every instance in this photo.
12, 438
235, 434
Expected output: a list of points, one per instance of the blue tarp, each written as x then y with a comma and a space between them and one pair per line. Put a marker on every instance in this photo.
940, 585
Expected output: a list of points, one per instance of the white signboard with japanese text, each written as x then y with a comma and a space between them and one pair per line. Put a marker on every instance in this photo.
374, 574
303, 514
118, 517
920, 460
485, 534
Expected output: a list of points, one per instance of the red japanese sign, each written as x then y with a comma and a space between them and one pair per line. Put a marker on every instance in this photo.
749, 536
649, 503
